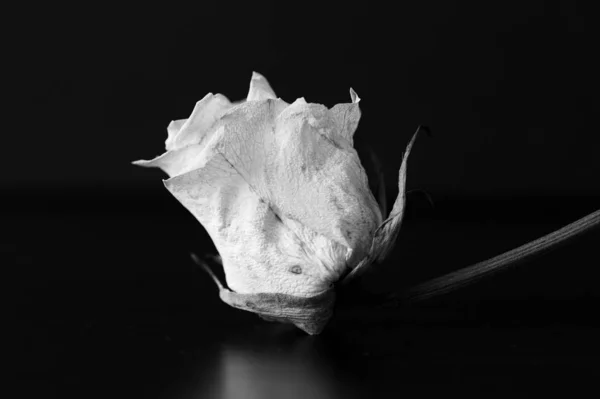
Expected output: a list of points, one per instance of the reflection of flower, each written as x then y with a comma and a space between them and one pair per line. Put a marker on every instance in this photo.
281, 191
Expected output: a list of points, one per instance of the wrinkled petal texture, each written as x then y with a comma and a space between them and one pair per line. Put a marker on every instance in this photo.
278, 186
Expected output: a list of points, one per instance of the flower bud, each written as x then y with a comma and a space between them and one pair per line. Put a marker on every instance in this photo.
282, 193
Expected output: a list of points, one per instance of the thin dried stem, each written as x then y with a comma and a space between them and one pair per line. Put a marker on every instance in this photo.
471, 274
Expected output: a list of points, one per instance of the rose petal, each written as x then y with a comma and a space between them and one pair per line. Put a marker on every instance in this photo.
260, 89
172, 130
257, 249
310, 314
193, 131
347, 117
294, 164
177, 162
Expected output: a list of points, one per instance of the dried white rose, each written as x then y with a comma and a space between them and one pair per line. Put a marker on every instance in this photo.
282, 193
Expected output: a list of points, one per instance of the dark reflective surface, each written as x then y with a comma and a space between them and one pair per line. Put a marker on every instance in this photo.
106, 302
268, 361
109, 305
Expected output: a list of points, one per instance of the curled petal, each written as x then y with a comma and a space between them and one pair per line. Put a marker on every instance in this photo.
347, 117
172, 130
194, 130
177, 162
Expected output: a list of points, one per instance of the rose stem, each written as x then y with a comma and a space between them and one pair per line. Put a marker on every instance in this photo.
471, 274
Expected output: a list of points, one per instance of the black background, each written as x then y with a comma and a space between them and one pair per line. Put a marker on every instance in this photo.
107, 301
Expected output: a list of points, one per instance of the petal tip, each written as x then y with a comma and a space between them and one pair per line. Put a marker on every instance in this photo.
355, 98
142, 162
257, 76
259, 88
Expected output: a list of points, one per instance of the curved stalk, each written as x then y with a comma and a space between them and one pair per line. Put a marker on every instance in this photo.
471, 274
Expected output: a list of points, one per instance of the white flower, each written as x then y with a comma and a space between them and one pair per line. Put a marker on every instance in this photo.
282, 193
